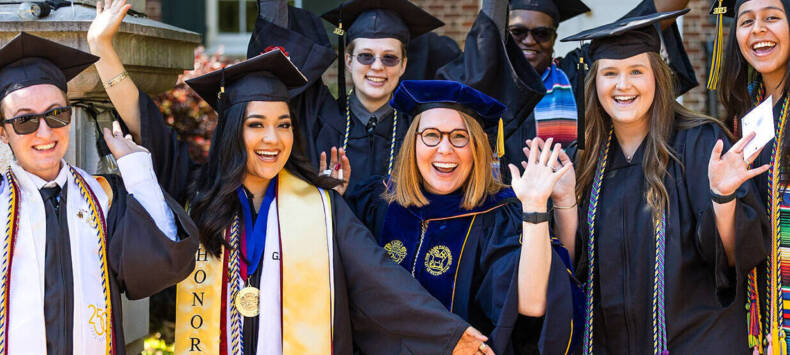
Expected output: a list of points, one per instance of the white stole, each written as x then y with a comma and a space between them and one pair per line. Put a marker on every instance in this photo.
270, 298
26, 305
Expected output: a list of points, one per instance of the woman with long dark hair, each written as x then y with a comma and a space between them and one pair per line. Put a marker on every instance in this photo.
284, 267
672, 224
461, 233
755, 68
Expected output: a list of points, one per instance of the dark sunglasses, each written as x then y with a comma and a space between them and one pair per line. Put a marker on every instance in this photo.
540, 34
55, 118
431, 137
388, 60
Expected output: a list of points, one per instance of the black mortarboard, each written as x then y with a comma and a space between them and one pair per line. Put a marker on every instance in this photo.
626, 37
266, 77
28, 60
559, 10
398, 19
621, 39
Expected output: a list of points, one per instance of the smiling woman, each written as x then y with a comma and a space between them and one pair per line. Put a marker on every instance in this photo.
756, 67
665, 242
443, 217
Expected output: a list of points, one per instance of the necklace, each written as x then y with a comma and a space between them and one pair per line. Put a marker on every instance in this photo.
392, 140
659, 222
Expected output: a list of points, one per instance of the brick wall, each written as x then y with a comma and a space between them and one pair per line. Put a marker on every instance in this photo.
698, 30
457, 15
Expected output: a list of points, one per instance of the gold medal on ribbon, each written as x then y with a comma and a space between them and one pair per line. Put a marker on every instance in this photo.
247, 301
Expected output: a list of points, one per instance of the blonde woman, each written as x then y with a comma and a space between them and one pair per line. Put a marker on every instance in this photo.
466, 236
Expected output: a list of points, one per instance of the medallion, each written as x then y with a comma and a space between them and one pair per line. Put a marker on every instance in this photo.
247, 301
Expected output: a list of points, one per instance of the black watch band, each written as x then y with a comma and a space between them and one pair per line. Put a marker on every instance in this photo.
535, 217
722, 199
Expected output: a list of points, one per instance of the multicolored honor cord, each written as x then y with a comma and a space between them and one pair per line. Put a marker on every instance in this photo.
658, 312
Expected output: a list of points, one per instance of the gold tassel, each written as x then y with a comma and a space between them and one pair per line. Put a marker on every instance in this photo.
715, 65
500, 139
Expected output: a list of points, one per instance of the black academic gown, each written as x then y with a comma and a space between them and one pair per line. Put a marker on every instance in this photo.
704, 297
485, 65
377, 316
474, 271
142, 260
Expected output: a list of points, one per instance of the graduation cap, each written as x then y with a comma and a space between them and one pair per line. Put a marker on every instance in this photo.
417, 96
29, 60
559, 10
399, 19
621, 39
265, 77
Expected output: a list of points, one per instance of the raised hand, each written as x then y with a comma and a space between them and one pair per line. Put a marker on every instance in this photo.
727, 173
340, 171
472, 342
119, 145
564, 192
109, 16
534, 187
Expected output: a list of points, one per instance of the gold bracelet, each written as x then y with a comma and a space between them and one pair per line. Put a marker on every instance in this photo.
116, 80
555, 207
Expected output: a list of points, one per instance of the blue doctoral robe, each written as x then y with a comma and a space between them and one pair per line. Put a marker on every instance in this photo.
468, 260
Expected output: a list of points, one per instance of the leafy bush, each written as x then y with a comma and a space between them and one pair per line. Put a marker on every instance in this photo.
184, 110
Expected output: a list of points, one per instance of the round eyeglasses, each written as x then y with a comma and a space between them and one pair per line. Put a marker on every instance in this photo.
431, 137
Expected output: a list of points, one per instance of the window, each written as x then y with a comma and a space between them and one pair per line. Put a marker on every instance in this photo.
230, 24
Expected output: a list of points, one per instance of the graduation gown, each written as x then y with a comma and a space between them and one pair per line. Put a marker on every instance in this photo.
487, 64
377, 316
704, 296
468, 259
142, 260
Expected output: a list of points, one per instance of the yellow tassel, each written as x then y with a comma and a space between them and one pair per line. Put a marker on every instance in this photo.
715, 65
500, 139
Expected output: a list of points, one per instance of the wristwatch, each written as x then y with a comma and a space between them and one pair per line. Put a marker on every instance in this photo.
535, 217
722, 199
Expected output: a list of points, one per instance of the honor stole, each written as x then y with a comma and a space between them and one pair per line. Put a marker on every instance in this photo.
100, 315
307, 282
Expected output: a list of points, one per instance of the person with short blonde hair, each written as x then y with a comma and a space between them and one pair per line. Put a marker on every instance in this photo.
460, 232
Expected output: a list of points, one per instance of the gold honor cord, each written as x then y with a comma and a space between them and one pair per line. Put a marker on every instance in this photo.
307, 297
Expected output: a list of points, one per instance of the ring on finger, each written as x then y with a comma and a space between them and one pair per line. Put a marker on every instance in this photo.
482, 348
326, 172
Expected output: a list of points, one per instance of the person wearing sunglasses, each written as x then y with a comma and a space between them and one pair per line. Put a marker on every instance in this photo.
385, 42
443, 217
533, 25
74, 242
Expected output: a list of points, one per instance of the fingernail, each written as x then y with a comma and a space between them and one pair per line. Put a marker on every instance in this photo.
337, 167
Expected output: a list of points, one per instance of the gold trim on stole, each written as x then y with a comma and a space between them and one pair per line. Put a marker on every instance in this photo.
198, 307
307, 296
307, 308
